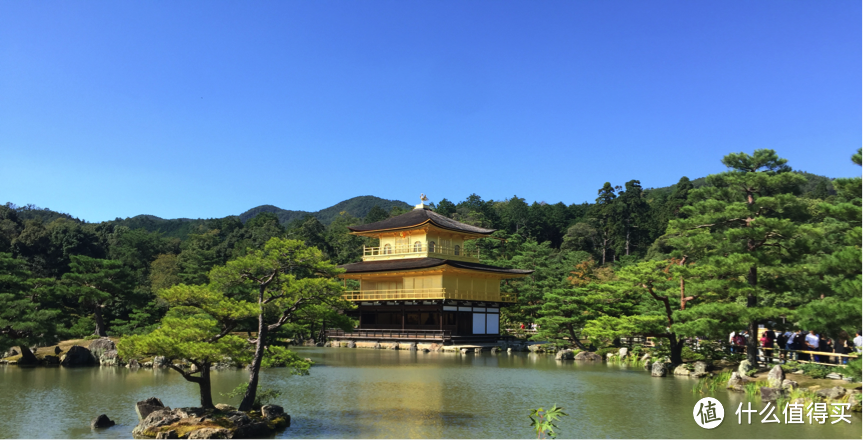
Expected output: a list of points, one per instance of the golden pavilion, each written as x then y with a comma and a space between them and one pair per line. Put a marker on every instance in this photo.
421, 283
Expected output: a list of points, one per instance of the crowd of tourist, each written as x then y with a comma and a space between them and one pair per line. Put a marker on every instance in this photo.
797, 343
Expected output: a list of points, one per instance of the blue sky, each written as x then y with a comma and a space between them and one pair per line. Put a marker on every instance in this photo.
207, 109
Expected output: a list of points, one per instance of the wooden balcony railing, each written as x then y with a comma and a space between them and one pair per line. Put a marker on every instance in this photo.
434, 335
426, 294
419, 251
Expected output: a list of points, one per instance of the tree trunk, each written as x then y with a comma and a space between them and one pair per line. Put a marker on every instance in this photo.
206, 389
27, 356
252, 390
627, 238
100, 324
751, 302
574, 338
676, 349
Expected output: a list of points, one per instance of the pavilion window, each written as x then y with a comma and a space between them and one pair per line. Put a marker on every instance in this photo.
388, 249
431, 246
418, 247
455, 250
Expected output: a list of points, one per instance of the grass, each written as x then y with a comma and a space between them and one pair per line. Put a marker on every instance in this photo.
709, 384
754, 388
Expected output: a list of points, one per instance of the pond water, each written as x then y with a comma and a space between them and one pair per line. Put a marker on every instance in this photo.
384, 393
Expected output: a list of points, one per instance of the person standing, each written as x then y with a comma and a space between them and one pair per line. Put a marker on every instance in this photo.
732, 341
781, 343
799, 344
858, 343
812, 342
769, 339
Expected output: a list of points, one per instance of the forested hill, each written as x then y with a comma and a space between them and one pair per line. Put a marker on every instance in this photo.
181, 227
358, 207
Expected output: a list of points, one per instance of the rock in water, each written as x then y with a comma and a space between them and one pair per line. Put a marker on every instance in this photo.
565, 355
51, 360
101, 422
272, 411
836, 376
658, 369
775, 377
225, 407
157, 418
101, 345
133, 364
699, 370
464, 351
770, 394
645, 357
78, 356
744, 367
109, 358
736, 382
352, 344
623, 352
57, 350
588, 356
681, 370
167, 435
210, 433
377, 346
146, 407
160, 361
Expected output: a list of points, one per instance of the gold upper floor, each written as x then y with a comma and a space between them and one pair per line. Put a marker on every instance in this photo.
422, 242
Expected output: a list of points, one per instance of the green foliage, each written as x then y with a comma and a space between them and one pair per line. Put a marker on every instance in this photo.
196, 328
286, 280
277, 356
82, 327
28, 313
691, 356
605, 350
815, 371
265, 396
542, 421
853, 369
97, 284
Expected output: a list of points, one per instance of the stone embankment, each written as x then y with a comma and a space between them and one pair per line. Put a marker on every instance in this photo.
101, 351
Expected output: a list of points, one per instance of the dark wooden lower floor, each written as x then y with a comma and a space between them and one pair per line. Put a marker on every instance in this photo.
443, 320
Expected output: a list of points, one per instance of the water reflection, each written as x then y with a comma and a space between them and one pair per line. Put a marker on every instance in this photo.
387, 394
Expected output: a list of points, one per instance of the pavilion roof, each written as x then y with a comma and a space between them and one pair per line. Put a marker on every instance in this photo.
419, 217
424, 263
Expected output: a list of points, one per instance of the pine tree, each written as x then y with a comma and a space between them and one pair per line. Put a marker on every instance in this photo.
631, 212
26, 315
197, 328
748, 224
604, 217
835, 269
98, 284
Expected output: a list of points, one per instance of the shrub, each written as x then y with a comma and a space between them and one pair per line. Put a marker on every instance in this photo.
264, 396
604, 351
855, 369
690, 356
